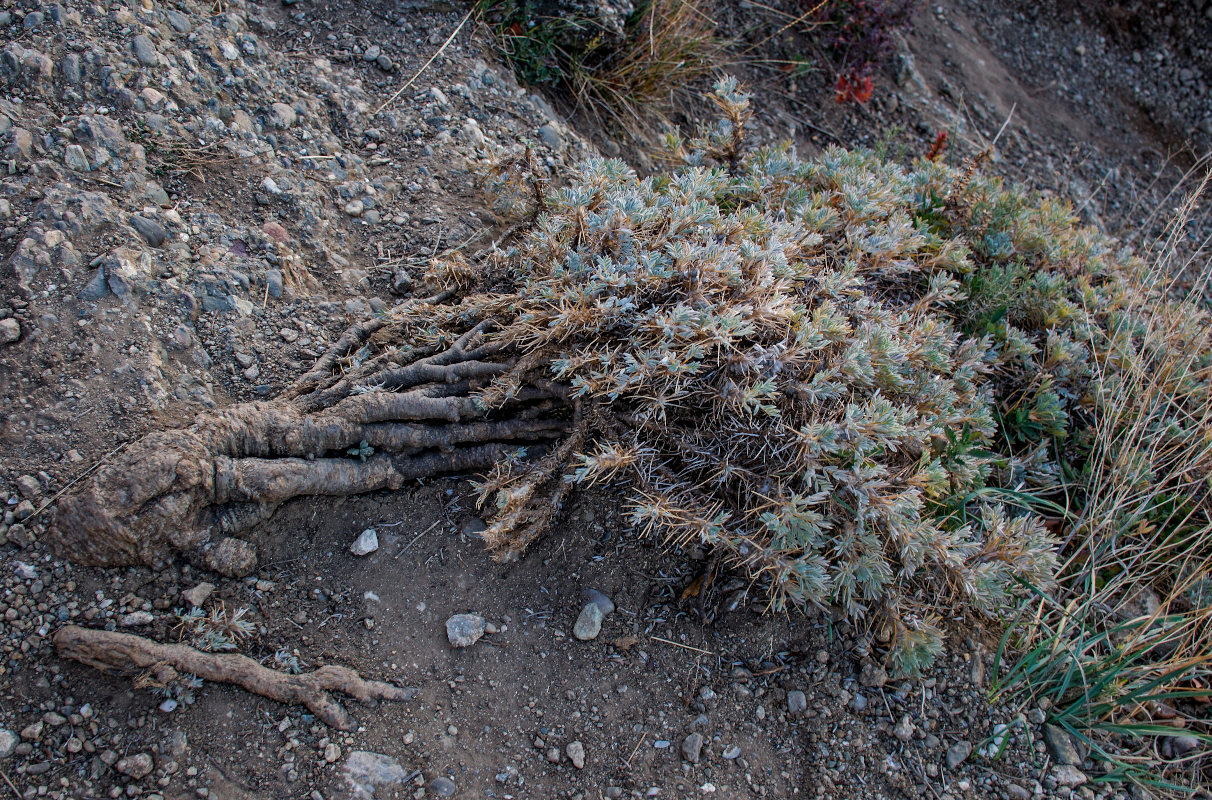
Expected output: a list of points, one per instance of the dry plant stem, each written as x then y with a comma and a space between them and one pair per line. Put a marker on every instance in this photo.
127, 653
190, 492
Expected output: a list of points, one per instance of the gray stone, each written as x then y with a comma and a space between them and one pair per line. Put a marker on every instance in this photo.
443, 786
589, 623
70, 69
731, 753
692, 747
1068, 775
96, 287
372, 53
958, 753
136, 766
1061, 745
464, 630
273, 281
576, 754
8, 741
354, 208
74, 157
797, 703
859, 703
385, 63
179, 22
33, 19
1181, 745
366, 543
145, 50
904, 729
550, 136
365, 770
10, 331
136, 619
151, 231
873, 675
199, 594
282, 115
603, 602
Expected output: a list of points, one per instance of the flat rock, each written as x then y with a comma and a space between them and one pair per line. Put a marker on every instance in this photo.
199, 594
151, 231
603, 602
364, 771
958, 753
443, 786
1068, 775
464, 630
797, 702
1061, 745
692, 747
145, 50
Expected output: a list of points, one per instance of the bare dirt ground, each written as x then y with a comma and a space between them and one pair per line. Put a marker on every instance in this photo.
287, 207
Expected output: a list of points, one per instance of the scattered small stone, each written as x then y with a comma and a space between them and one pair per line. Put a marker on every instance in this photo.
731, 753
958, 753
366, 543
169, 706
372, 53
464, 630
136, 766
589, 623
553, 755
692, 747
33, 731
332, 752
576, 754
199, 594
797, 702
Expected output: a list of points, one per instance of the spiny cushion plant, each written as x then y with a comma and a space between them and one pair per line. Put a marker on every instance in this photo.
802, 364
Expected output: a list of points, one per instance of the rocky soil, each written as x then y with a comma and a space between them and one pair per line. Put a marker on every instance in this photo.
196, 197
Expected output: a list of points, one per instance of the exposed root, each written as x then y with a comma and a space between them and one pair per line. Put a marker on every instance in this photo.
130, 654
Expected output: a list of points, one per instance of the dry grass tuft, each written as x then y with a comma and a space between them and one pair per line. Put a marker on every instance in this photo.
672, 46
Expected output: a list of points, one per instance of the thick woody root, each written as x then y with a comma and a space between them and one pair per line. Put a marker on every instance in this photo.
129, 654
193, 491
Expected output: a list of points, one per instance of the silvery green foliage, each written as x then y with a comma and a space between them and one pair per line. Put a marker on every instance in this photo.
766, 351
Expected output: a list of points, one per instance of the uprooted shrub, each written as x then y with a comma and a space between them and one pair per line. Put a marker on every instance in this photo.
805, 365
